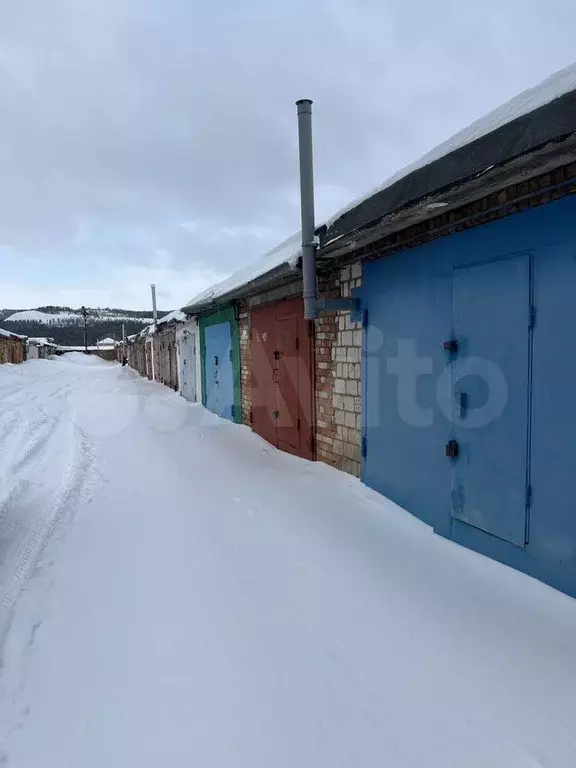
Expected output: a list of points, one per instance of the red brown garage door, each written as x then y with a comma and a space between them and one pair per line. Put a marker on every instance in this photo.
282, 377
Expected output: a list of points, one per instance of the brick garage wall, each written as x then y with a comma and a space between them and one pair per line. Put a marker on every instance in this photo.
498, 205
338, 375
12, 350
244, 325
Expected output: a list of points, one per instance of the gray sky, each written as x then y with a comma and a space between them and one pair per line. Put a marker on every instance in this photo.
155, 140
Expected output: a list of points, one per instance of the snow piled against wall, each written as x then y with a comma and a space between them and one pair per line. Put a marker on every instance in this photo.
289, 251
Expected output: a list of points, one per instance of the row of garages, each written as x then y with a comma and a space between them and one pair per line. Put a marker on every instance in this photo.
441, 366
15, 348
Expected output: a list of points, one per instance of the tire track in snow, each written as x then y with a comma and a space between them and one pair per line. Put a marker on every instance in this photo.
31, 442
46, 461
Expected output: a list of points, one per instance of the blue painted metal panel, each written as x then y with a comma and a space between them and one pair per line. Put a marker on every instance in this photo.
409, 303
489, 388
553, 511
408, 318
219, 372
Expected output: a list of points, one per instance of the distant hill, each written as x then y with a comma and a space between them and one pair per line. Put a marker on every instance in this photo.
66, 325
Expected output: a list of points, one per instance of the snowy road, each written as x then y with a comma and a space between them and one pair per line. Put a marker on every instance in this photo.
174, 592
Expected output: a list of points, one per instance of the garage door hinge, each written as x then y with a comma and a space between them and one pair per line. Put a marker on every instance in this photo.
364, 447
297, 343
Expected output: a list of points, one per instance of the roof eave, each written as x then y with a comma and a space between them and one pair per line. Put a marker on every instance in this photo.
548, 123
520, 169
268, 280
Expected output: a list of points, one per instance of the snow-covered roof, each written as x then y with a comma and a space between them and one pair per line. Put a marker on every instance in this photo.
10, 334
176, 316
42, 341
106, 342
529, 100
77, 348
144, 333
288, 253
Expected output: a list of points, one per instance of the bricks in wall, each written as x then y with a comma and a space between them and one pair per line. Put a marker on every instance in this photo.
498, 205
244, 323
338, 353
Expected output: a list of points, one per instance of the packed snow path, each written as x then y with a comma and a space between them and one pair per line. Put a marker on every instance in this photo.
175, 592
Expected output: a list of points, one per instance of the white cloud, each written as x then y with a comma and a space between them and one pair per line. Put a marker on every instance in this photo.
131, 129
125, 286
190, 226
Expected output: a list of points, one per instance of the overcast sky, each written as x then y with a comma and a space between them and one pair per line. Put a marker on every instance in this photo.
155, 140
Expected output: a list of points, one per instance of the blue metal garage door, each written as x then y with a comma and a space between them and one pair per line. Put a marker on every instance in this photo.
219, 371
490, 385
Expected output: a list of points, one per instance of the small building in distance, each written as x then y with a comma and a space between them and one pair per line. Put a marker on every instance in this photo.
106, 349
12, 347
39, 348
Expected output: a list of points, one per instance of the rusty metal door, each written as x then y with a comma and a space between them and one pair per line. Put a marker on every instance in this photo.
289, 421
263, 370
282, 377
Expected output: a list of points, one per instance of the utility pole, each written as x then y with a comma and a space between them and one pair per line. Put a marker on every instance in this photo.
155, 317
84, 313
123, 344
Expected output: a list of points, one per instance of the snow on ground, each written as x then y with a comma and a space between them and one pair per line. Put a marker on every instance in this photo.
205, 600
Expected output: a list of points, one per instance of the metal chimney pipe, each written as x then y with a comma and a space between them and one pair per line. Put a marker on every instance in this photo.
309, 292
154, 310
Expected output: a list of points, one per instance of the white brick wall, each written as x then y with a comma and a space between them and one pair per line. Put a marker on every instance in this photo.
339, 438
